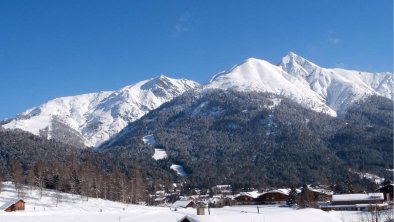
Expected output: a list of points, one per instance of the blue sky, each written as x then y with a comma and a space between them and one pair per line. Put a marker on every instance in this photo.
54, 48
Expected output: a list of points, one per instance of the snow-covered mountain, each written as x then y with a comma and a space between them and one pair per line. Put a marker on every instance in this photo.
339, 87
330, 91
262, 76
96, 117
91, 119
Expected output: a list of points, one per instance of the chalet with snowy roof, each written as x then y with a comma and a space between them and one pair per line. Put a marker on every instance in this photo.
13, 205
183, 204
387, 191
278, 196
246, 198
356, 202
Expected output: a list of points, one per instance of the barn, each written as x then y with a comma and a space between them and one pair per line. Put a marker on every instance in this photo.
13, 205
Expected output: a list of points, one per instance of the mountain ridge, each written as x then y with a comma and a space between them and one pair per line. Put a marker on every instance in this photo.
98, 116
92, 118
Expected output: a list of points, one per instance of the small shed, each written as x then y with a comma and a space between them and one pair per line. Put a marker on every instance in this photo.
13, 205
183, 204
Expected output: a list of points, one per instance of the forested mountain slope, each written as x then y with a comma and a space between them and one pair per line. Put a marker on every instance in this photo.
255, 139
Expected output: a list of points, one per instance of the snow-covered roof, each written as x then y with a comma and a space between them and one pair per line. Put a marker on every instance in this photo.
181, 203
354, 205
189, 218
324, 191
9, 203
392, 185
357, 197
282, 191
253, 194
223, 186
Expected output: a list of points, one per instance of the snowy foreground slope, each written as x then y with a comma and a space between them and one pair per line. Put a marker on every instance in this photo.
73, 208
96, 117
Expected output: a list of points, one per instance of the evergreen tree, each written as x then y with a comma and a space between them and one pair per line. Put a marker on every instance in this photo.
292, 199
349, 185
339, 187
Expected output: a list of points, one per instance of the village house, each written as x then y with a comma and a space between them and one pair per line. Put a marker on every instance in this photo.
356, 202
245, 198
278, 196
222, 189
13, 205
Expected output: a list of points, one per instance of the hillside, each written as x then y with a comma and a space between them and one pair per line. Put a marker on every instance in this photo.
250, 139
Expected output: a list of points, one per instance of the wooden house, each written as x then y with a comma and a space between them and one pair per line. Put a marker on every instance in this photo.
387, 191
245, 198
278, 196
320, 195
13, 205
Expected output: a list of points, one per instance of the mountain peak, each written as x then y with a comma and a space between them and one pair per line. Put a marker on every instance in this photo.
162, 77
293, 62
292, 58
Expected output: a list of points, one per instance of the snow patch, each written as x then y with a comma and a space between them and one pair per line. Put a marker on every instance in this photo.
275, 103
179, 169
149, 139
372, 177
159, 154
375, 178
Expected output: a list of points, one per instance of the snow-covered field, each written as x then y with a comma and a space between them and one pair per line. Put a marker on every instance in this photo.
73, 208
